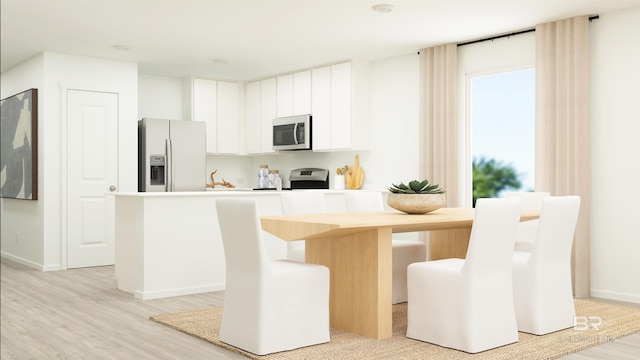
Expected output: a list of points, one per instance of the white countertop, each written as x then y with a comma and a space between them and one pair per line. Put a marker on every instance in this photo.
218, 192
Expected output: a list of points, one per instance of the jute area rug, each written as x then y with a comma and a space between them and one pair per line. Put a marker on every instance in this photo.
616, 321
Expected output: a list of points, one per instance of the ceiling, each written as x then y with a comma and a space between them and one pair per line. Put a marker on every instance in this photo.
251, 39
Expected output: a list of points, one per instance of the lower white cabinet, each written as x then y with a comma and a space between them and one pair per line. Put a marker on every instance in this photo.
169, 244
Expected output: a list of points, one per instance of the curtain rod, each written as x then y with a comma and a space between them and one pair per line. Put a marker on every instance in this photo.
591, 18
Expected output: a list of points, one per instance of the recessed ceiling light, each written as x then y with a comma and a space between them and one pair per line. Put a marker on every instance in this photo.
221, 61
122, 47
382, 8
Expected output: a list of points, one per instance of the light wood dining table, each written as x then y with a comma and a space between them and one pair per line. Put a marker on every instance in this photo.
356, 247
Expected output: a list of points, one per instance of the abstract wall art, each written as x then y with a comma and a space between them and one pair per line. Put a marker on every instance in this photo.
19, 146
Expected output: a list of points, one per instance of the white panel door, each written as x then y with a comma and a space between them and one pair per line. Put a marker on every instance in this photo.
92, 171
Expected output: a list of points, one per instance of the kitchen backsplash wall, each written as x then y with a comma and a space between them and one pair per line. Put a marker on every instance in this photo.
242, 170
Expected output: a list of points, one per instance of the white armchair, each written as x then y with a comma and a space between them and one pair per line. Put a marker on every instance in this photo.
531, 201
542, 277
404, 252
269, 306
467, 304
300, 202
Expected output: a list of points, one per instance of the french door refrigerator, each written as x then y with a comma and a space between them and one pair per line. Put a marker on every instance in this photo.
171, 155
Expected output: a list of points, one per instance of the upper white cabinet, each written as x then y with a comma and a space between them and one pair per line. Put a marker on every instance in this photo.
218, 103
254, 118
321, 105
267, 113
302, 93
337, 97
230, 139
260, 111
284, 94
340, 107
294, 94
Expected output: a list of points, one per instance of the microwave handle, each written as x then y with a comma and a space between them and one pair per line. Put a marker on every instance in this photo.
295, 133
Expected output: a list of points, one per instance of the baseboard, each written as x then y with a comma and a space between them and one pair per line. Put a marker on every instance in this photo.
610, 295
22, 261
148, 295
30, 263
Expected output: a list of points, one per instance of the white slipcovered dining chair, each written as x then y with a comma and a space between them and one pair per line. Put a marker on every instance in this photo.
404, 252
300, 202
467, 304
531, 201
542, 277
269, 305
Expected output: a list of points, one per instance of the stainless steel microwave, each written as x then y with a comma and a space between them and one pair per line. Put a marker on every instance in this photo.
292, 133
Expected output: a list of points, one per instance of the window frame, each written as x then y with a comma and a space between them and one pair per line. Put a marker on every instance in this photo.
511, 53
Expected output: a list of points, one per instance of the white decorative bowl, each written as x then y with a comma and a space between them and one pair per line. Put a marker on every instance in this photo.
416, 203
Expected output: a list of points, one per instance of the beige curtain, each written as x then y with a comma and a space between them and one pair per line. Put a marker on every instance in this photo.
438, 125
562, 126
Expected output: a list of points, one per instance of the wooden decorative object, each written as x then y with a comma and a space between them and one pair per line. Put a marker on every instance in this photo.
213, 182
355, 175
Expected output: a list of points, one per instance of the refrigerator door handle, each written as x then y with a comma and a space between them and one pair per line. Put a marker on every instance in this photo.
170, 172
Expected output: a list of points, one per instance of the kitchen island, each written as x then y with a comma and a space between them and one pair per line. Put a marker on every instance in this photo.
169, 244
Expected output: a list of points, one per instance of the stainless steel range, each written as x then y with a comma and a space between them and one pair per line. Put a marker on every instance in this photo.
309, 178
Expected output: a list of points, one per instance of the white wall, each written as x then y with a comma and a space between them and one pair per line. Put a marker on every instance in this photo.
615, 145
153, 95
22, 221
41, 225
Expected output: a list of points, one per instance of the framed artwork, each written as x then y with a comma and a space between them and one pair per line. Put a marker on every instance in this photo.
19, 146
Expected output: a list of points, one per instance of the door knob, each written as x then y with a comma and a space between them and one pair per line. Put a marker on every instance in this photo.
112, 188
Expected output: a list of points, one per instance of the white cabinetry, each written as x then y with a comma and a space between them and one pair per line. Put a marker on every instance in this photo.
284, 92
321, 107
261, 105
161, 252
218, 104
267, 113
302, 93
294, 94
254, 118
340, 107
337, 97
267, 99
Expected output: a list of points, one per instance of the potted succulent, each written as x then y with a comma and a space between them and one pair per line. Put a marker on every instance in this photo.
418, 197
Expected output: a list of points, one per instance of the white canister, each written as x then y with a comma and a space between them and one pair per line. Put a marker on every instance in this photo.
263, 176
338, 182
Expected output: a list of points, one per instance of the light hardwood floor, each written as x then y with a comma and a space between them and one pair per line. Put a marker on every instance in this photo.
80, 314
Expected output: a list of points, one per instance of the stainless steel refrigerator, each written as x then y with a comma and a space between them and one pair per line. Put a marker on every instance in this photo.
171, 155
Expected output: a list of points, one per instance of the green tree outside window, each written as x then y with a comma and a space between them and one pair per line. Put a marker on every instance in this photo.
490, 177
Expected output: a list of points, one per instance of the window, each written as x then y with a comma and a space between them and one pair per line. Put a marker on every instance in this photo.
503, 132
491, 70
